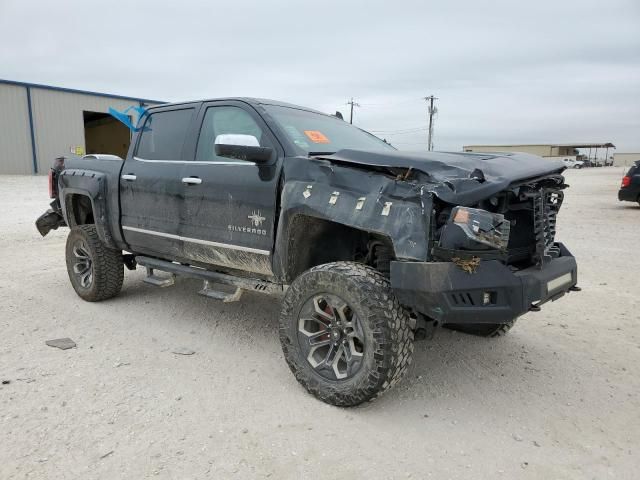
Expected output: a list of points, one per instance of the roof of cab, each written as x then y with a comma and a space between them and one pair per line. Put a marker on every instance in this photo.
249, 100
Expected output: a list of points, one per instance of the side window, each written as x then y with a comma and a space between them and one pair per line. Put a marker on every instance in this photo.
163, 135
221, 121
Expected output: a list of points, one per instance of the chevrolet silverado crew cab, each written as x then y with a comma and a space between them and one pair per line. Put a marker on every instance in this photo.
371, 247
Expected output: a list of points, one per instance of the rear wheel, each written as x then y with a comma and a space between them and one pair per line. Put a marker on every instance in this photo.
344, 334
483, 329
96, 272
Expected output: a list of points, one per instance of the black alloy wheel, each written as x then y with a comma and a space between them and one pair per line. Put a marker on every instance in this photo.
330, 336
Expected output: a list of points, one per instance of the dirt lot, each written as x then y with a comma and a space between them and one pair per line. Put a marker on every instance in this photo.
556, 398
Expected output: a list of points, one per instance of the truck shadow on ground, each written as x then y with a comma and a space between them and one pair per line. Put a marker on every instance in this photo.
624, 206
449, 366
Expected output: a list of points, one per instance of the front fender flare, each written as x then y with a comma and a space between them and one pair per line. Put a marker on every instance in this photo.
402, 215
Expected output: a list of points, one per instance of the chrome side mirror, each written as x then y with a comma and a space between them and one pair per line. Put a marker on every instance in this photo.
242, 147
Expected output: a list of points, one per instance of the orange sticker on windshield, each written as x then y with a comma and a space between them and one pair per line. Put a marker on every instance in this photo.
316, 136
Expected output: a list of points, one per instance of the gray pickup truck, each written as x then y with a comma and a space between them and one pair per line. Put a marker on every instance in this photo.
371, 247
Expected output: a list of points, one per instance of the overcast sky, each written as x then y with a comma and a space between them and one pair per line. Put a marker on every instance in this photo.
504, 71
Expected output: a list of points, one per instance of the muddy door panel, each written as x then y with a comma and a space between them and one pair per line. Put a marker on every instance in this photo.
151, 188
150, 197
228, 217
229, 203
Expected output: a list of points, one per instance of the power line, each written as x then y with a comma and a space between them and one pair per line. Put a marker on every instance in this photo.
432, 111
353, 104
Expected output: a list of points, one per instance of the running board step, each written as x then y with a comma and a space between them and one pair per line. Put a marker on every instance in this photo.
154, 279
207, 291
252, 284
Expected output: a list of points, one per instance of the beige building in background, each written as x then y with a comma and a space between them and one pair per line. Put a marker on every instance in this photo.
39, 123
625, 159
535, 149
596, 151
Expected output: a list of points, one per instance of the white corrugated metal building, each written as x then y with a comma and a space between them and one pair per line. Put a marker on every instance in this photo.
39, 123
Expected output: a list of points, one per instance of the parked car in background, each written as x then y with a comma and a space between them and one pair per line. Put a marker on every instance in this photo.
573, 163
590, 162
630, 188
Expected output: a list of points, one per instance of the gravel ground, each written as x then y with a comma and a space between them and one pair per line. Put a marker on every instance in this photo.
556, 398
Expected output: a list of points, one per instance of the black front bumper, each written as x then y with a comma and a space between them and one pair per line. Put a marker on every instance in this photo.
492, 294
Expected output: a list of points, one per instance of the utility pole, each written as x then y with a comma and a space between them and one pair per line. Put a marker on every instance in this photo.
432, 111
353, 104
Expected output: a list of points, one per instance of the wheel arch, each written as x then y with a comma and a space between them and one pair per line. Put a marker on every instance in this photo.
307, 241
84, 201
78, 209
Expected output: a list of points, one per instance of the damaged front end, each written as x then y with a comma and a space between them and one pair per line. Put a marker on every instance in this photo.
517, 225
473, 236
494, 262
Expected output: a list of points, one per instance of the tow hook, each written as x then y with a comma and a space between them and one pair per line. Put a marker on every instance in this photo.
534, 308
575, 288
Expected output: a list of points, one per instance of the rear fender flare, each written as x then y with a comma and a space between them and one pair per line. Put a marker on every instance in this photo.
92, 185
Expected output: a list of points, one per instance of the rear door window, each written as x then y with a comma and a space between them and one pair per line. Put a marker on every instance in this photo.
163, 135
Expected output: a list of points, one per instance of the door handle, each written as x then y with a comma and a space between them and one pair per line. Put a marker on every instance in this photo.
129, 177
192, 180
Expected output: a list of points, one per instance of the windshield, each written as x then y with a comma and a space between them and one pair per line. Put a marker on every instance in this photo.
316, 133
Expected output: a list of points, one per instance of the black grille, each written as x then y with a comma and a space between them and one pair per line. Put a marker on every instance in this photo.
546, 204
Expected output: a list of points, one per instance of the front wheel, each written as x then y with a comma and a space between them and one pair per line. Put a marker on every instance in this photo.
96, 271
344, 334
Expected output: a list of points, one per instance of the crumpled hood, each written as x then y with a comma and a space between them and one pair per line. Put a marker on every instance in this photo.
458, 178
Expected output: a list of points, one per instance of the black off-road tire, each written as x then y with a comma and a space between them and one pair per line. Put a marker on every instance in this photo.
388, 344
483, 329
105, 265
